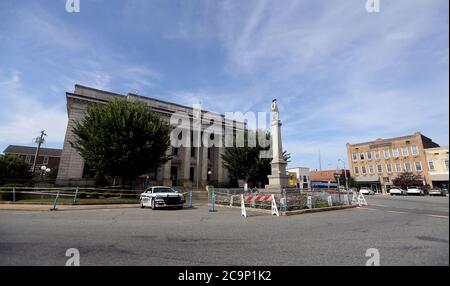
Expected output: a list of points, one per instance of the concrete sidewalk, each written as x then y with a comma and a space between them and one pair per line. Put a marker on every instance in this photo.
36, 207
30, 207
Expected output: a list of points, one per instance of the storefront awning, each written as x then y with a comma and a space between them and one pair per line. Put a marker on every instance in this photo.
367, 179
439, 177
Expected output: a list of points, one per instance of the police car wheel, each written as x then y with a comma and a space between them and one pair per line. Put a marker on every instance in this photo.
142, 204
153, 204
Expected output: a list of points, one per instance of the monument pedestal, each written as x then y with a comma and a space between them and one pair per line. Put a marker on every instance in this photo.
277, 183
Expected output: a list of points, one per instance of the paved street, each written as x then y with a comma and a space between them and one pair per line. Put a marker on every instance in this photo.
405, 230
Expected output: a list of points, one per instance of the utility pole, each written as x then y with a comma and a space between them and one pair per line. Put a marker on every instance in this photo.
39, 140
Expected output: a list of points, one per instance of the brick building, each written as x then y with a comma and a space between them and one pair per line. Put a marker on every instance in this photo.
47, 156
376, 163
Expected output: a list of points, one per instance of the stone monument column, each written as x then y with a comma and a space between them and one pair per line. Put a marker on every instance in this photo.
278, 178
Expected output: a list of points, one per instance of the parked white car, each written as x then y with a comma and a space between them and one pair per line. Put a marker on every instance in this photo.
366, 191
436, 192
415, 192
397, 192
160, 196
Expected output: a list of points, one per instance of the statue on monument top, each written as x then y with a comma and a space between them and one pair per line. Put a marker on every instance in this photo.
275, 113
275, 105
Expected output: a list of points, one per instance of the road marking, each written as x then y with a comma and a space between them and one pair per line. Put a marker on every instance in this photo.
397, 212
369, 209
439, 216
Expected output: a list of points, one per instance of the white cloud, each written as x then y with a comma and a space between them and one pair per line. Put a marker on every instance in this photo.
23, 116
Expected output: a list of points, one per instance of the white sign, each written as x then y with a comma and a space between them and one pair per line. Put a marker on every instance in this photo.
309, 202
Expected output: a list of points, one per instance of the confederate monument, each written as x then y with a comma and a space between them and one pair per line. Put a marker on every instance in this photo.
278, 179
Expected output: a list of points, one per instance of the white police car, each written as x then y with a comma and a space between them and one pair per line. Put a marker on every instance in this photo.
160, 196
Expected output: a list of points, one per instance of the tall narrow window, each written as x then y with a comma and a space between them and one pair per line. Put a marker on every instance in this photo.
371, 169
431, 165
414, 150
356, 170
369, 155
389, 168
446, 164
387, 154
45, 162
418, 166
395, 153
363, 170
355, 157
361, 156
398, 167
377, 155
380, 168
408, 167
405, 152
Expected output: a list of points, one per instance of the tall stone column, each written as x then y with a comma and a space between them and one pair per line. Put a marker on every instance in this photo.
185, 167
165, 171
204, 166
219, 162
278, 178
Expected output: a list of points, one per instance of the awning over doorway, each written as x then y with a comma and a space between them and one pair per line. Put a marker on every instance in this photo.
439, 177
367, 179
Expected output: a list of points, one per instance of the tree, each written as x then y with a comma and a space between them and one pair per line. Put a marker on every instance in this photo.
407, 179
122, 139
13, 167
244, 163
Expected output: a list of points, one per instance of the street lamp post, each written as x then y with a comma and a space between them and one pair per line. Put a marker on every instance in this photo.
44, 170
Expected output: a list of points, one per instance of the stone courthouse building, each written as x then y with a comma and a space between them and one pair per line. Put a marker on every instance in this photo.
189, 165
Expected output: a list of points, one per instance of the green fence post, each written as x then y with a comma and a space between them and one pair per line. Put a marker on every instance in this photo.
212, 202
190, 199
75, 197
14, 194
55, 202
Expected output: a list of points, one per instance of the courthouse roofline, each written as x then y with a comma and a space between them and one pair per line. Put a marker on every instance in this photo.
136, 95
387, 140
93, 98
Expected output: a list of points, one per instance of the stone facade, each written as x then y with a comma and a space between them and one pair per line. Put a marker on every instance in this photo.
376, 163
185, 169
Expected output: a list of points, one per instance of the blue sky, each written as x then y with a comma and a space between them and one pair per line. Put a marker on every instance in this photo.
340, 74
